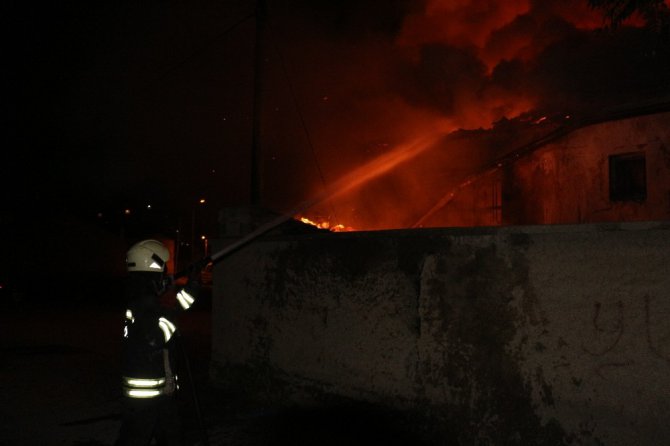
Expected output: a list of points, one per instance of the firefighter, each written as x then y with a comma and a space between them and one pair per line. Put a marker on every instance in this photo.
149, 336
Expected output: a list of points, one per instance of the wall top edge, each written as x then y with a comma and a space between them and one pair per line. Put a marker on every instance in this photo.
481, 231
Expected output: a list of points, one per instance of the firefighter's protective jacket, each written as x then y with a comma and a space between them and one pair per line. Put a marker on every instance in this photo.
149, 346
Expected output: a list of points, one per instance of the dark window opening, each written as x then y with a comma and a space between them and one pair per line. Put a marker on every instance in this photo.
628, 177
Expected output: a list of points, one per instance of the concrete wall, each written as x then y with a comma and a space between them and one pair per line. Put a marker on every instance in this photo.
527, 335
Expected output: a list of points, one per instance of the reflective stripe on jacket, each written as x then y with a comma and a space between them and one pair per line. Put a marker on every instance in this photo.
167, 327
185, 299
142, 387
152, 387
148, 343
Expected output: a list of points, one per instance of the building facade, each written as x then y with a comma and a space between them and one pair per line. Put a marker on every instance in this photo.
612, 171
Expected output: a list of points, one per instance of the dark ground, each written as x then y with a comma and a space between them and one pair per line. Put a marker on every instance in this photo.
60, 385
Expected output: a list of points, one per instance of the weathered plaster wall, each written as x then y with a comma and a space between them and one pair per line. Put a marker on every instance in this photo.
567, 181
527, 335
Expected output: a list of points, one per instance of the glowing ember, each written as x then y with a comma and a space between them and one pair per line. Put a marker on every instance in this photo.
326, 225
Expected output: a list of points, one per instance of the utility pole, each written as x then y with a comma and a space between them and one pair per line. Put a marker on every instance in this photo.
256, 152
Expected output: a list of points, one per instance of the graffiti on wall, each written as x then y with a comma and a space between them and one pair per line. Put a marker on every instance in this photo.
610, 326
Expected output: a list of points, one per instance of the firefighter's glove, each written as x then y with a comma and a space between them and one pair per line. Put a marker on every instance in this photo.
194, 272
167, 282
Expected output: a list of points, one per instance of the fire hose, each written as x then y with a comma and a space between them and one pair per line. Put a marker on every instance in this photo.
219, 255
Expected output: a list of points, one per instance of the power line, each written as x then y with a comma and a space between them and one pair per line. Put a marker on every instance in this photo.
204, 47
303, 123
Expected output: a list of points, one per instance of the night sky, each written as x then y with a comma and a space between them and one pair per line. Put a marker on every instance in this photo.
118, 106
121, 105
125, 105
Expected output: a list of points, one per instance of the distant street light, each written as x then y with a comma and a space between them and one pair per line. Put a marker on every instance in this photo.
201, 202
124, 222
205, 242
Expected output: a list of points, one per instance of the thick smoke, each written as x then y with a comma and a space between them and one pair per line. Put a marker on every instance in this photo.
474, 62
481, 61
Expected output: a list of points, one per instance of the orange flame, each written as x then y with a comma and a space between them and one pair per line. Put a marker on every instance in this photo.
326, 225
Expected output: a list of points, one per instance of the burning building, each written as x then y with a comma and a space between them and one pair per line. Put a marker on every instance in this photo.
401, 115
610, 168
610, 171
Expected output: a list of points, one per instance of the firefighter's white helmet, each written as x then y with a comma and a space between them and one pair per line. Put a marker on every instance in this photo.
147, 255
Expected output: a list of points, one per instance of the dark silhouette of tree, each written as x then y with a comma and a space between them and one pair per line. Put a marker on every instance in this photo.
655, 12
